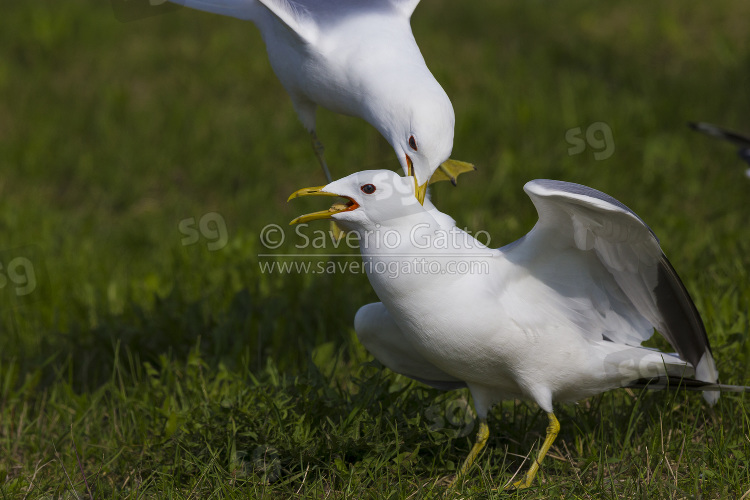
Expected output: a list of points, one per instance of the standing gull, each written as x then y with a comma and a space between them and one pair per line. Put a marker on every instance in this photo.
358, 58
556, 316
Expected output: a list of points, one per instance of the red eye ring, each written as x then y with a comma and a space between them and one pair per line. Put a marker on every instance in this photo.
368, 188
412, 143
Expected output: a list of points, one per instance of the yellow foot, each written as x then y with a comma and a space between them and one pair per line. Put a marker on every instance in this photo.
552, 430
521, 484
449, 170
482, 436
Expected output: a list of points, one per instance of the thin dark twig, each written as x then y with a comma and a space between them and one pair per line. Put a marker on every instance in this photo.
80, 465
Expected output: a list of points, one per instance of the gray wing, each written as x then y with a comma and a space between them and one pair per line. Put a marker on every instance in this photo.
572, 215
382, 338
306, 19
295, 15
241, 9
405, 6
341, 8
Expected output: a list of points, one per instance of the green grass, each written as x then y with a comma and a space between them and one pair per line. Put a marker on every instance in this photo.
140, 367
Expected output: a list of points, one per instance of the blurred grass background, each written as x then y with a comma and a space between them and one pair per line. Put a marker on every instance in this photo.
173, 370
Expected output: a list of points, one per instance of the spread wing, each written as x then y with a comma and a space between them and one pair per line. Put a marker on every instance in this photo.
325, 14
307, 19
611, 236
406, 7
241, 9
295, 15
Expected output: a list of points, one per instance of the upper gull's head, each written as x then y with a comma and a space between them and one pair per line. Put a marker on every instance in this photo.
418, 121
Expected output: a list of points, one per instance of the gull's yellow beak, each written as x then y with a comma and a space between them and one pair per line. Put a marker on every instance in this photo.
323, 214
419, 191
450, 169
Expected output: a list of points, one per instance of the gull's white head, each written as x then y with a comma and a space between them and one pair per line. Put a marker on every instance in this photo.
422, 136
416, 117
375, 199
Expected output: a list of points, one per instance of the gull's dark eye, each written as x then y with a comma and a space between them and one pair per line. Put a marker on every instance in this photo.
412, 143
368, 188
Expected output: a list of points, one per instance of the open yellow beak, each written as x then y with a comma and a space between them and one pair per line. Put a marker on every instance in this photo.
323, 214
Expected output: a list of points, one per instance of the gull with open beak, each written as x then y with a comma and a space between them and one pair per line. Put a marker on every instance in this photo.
358, 58
556, 316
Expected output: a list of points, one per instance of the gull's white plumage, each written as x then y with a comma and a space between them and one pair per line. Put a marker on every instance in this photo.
355, 57
581, 286
558, 315
384, 339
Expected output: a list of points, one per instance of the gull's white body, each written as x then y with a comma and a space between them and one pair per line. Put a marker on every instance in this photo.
358, 58
558, 315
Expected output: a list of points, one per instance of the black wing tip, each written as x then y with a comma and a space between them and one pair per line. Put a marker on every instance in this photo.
721, 133
680, 314
684, 383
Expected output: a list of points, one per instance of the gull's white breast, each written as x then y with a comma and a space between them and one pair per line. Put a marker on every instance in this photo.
507, 330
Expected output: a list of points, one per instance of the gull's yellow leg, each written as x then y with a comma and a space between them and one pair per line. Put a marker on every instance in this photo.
552, 430
482, 436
